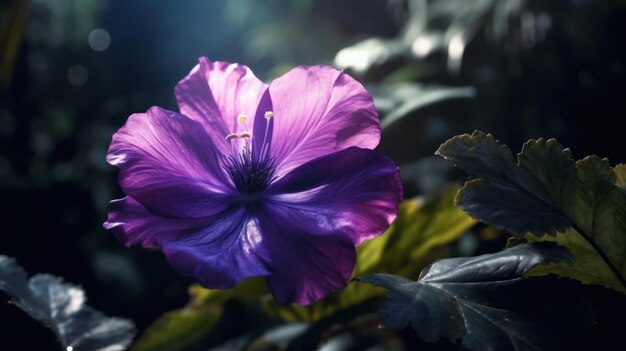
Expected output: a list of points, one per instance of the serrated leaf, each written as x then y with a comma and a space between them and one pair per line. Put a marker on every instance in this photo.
599, 208
545, 191
507, 195
620, 172
484, 300
61, 307
414, 240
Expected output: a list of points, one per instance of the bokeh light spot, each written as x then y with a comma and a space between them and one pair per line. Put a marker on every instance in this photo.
99, 39
77, 75
422, 46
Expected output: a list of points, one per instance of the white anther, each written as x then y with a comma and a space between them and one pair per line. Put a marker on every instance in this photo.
242, 118
269, 114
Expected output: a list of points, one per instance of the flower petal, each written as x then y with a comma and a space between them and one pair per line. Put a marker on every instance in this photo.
319, 110
355, 191
133, 224
168, 164
219, 251
222, 254
215, 93
308, 260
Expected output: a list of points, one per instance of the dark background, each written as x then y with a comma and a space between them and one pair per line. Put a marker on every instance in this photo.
558, 71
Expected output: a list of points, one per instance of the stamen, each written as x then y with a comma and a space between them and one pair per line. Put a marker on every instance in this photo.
264, 148
251, 172
232, 136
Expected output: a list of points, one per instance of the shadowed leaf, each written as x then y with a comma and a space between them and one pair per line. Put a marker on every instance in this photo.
485, 301
61, 307
516, 197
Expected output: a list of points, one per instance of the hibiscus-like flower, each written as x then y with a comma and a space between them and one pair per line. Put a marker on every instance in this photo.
253, 180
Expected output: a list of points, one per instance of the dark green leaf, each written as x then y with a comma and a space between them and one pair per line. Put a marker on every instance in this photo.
545, 191
485, 301
61, 307
518, 198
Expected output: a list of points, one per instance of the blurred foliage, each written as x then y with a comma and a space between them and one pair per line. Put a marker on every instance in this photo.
448, 26
400, 100
13, 17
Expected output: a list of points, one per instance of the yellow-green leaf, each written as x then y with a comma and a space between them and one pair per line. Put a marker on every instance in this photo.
585, 267
178, 329
620, 172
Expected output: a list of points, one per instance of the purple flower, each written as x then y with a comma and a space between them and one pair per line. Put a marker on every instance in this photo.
253, 180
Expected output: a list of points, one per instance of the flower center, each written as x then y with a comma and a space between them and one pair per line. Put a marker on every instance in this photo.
251, 170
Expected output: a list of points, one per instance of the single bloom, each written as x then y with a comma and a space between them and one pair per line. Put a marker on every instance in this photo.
250, 179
